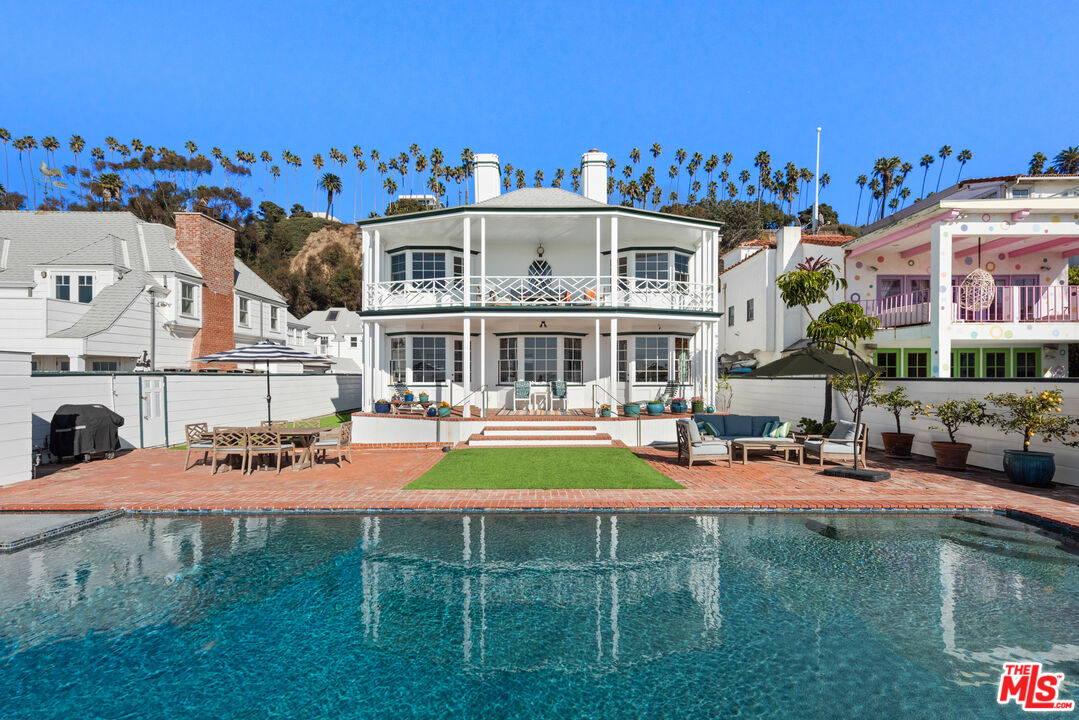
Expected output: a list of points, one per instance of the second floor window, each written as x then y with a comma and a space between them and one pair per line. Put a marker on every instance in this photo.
63, 287
187, 299
730, 316
86, 288
245, 316
397, 266
353, 341
749, 310
428, 266
681, 267
652, 266
273, 318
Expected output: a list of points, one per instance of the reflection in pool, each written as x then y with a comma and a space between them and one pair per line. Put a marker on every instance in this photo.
535, 616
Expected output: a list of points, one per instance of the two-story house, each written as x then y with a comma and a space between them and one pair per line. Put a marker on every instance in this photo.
540, 285
105, 291
1018, 317
338, 334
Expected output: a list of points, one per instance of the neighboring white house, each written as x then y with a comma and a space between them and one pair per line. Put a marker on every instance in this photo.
337, 333
758, 326
907, 270
77, 290
540, 285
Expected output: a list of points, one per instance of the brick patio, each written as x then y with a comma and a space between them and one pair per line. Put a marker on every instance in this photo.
154, 480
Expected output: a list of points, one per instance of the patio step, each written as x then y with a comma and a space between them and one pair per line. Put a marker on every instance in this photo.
539, 439
540, 429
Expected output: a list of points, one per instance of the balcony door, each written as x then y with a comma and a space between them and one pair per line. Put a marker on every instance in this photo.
539, 278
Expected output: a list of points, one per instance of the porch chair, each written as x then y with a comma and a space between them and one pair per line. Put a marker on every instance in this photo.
196, 440
840, 444
693, 447
229, 441
400, 389
342, 443
522, 392
267, 442
558, 393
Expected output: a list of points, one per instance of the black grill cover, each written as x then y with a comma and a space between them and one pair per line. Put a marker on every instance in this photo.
82, 429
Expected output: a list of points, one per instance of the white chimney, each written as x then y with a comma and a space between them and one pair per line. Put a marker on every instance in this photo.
488, 175
594, 175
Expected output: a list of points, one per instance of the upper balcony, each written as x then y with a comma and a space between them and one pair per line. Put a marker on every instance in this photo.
1010, 304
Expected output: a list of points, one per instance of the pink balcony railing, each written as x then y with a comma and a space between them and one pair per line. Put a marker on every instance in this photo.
899, 310
1021, 303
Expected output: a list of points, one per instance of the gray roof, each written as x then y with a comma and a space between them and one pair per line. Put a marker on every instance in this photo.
245, 280
109, 304
540, 198
291, 319
347, 322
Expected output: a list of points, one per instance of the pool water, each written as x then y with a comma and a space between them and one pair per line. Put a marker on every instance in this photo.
537, 616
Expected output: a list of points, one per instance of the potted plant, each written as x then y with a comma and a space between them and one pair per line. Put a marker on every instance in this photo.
605, 410
896, 402
631, 409
724, 393
678, 405
1032, 415
432, 411
424, 397
444, 409
655, 407
408, 395
951, 415
697, 403
382, 406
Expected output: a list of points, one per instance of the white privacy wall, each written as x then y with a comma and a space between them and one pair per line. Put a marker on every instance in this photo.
15, 444
793, 399
214, 398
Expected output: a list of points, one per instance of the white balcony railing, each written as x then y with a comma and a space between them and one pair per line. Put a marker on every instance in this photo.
1011, 303
550, 291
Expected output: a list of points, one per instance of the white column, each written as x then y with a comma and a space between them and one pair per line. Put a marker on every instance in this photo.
466, 263
466, 363
612, 376
378, 372
713, 273
940, 306
483, 270
365, 299
599, 233
598, 338
376, 258
368, 370
614, 264
483, 344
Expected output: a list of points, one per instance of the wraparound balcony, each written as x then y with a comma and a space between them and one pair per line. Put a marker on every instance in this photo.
1011, 303
542, 291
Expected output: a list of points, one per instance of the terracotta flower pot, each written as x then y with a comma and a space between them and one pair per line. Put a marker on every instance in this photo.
897, 445
951, 456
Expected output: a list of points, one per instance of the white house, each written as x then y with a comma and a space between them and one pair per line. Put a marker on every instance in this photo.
101, 291
540, 285
337, 333
908, 269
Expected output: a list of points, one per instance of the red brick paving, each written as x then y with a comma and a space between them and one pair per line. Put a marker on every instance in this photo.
154, 479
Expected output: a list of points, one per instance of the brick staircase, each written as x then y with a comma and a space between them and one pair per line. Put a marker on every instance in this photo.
553, 433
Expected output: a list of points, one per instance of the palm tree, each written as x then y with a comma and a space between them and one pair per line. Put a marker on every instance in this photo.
904, 193
5, 137
925, 162
538, 178
1066, 161
20, 148
861, 181
466, 166
943, 153
332, 185
316, 160
29, 144
266, 159
825, 180
50, 145
560, 175
963, 157
520, 176
76, 145
275, 172
672, 173
1037, 163
763, 164
680, 156
374, 188
110, 187
635, 155
710, 165
357, 155
884, 169
574, 176
874, 187
656, 149
743, 177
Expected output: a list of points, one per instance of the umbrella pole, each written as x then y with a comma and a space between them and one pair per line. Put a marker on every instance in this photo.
269, 419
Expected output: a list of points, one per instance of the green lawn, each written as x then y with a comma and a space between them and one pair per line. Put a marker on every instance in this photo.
596, 468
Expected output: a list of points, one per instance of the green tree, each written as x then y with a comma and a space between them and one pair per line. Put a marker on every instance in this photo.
331, 184
1066, 161
925, 162
5, 137
1037, 163
884, 169
964, 157
944, 152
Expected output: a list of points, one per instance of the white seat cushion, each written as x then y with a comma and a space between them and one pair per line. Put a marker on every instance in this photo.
830, 448
710, 448
201, 445
327, 443
773, 441
271, 448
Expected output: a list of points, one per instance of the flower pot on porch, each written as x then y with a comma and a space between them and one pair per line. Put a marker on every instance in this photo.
408, 397
678, 406
424, 397
605, 413
897, 445
382, 407
951, 456
1028, 467
432, 412
631, 409
698, 406
444, 411
655, 407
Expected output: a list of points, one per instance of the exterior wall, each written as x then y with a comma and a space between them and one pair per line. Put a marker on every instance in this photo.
258, 327
211, 248
805, 398
16, 448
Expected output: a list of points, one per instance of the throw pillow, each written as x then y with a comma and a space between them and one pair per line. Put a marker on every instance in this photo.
708, 428
781, 430
769, 427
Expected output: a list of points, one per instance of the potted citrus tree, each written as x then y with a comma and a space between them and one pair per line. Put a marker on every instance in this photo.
896, 402
1032, 415
951, 415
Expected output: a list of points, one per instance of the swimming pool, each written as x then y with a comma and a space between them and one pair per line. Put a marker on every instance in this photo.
535, 616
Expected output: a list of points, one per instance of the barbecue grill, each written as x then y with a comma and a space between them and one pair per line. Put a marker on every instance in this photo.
84, 430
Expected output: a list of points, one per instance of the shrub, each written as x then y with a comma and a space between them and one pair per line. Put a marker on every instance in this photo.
895, 402
952, 415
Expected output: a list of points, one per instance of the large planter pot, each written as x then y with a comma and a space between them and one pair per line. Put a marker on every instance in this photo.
655, 408
424, 397
408, 397
678, 406
897, 445
605, 413
1029, 467
444, 411
631, 409
698, 406
382, 407
951, 456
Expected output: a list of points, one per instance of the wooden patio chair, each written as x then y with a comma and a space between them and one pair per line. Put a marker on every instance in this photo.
303, 424
840, 445
271, 423
263, 442
229, 441
196, 440
342, 443
693, 447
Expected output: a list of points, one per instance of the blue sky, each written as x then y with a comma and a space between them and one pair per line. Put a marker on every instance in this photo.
540, 84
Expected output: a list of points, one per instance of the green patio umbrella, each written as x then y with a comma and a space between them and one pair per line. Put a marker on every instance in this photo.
813, 361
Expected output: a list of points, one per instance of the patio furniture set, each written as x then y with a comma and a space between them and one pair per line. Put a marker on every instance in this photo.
728, 435
303, 443
539, 395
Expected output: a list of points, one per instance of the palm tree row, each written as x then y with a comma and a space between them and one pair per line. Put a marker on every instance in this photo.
887, 182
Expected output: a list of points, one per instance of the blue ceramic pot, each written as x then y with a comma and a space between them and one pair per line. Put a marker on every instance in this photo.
1029, 467
677, 406
432, 412
655, 408
382, 407
408, 397
710, 409
605, 413
631, 409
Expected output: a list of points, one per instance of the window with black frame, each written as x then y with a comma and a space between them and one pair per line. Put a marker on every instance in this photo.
572, 363
652, 359
681, 271
428, 360
399, 360
507, 360
458, 361
540, 359
623, 360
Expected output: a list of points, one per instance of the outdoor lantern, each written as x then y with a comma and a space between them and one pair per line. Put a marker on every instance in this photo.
539, 250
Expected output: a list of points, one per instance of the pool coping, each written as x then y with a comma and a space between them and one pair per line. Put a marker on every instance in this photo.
58, 531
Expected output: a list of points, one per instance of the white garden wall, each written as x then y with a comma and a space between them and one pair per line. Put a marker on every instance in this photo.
15, 444
794, 398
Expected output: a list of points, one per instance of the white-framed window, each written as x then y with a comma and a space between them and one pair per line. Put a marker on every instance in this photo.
730, 316
428, 359
398, 266
1020, 192
623, 360
458, 361
273, 318
507, 360
683, 369
749, 310
652, 266
63, 287
652, 360
572, 360
540, 358
245, 313
354, 341
399, 359
86, 288
188, 305
104, 366
428, 266
681, 267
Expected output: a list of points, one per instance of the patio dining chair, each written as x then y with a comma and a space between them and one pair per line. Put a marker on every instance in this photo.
522, 393
342, 444
558, 393
229, 441
303, 424
263, 442
196, 440
271, 423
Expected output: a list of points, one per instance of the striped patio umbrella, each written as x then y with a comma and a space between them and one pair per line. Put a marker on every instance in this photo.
267, 352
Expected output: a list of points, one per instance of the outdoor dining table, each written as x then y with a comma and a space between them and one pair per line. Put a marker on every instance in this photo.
303, 438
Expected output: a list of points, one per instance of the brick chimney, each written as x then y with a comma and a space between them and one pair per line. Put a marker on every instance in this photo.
211, 247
